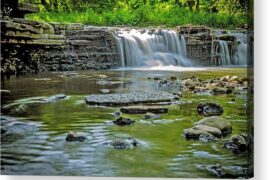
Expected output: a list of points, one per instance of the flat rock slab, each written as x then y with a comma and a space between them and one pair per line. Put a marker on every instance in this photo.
144, 110
121, 99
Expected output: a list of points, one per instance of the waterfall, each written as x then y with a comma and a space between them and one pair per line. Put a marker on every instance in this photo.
119, 44
240, 57
236, 55
224, 53
151, 48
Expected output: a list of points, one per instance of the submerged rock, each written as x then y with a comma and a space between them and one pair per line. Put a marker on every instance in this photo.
54, 98
167, 83
217, 122
117, 114
22, 106
21, 109
238, 143
207, 137
73, 137
122, 121
209, 109
144, 110
231, 172
120, 99
124, 143
151, 116
216, 170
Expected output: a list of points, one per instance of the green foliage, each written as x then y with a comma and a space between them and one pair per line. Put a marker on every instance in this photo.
214, 13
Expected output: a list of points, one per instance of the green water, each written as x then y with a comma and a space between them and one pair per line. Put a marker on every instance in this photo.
38, 145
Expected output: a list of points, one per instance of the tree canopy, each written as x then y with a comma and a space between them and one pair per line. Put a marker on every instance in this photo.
230, 7
219, 13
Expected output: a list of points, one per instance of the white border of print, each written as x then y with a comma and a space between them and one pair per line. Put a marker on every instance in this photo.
262, 108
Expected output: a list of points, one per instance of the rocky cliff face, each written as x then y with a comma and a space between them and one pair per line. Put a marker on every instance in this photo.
198, 42
32, 46
204, 44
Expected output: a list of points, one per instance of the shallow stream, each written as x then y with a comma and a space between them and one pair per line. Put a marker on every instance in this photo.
35, 144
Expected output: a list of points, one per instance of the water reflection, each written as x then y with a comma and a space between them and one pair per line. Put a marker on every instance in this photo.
35, 140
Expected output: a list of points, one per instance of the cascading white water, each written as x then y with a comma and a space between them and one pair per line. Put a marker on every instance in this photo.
227, 57
240, 57
224, 53
151, 48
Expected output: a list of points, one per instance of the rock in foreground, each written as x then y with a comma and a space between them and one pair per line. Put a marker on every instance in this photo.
208, 129
217, 122
238, 143
121, 99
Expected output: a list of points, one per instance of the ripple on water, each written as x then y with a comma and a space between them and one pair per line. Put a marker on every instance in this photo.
204, 154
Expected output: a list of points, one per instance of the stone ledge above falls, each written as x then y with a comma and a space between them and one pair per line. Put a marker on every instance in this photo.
22, 31
33, 46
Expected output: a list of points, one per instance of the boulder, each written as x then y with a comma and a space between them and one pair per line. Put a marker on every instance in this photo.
209, 109
217, 122
212, 130
122, 121
144, 110
237, 143
193, 133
